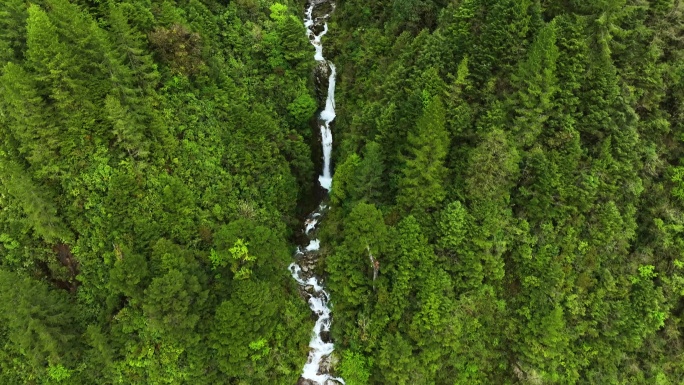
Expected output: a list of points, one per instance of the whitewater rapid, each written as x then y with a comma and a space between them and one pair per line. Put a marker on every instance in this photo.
328, 114
315, 370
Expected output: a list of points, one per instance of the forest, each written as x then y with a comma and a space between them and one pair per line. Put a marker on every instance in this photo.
515, 168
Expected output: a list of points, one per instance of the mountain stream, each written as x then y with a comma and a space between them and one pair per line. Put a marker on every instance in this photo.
317, 368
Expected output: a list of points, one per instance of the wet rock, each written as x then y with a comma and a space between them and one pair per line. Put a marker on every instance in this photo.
324, 366
317, 2
308, 261
321, 10
322, 71
318, 28
325, 336
304, 381
321, 80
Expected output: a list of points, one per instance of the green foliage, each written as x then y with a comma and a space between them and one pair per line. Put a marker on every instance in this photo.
535, 217
40, 326
302, 108
422, 185
241, 260
354, 368
141, 153
507, 204
370, 175
13, 16
58, 373
247, 335
260, 349
40, 213
343, 183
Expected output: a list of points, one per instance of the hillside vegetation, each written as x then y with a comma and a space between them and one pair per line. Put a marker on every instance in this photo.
514, 167
507, 204
152, 156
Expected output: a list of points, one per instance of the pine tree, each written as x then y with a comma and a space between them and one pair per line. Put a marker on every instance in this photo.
40, 210
41, 323
129, 49
536, 83
352, 264
421, 187
63, 46
454, 234
126, 130
30, 122
370, 175
13, 16
248, 317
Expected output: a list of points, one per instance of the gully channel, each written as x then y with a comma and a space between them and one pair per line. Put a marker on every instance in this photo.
317, 368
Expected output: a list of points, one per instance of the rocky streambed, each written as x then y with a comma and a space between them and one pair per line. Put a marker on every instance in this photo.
318, 368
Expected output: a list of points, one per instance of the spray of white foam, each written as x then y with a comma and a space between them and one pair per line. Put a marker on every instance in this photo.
319, 349
314, 245
310, 225
315, 39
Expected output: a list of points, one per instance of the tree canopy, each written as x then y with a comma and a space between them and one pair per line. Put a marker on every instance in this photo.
507, 204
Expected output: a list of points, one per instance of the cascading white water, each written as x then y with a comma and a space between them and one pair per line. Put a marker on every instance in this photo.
320, 350
328, 114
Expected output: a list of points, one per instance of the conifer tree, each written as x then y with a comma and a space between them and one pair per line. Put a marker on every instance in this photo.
352, 265
28, 128
424, 174
36, 203
370, 178
13, 16
536, 80
41, 324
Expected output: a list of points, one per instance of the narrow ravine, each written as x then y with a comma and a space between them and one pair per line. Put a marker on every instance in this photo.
317, 368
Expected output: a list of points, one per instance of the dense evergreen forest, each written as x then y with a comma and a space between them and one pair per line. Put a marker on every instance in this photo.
152, 157
513, 166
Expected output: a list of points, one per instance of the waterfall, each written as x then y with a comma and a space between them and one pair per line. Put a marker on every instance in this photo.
327, 116
316, 369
